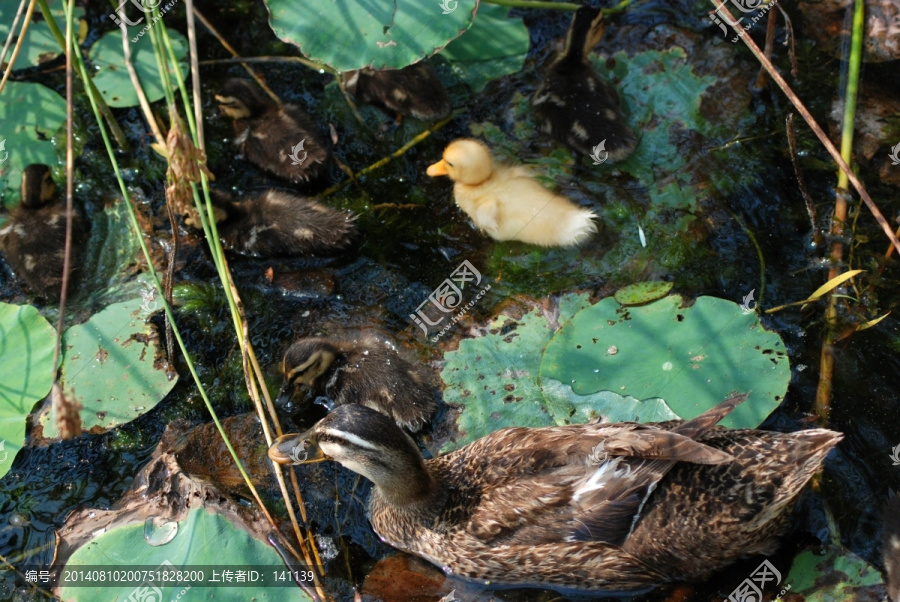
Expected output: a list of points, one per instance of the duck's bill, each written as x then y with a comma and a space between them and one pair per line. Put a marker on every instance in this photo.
437, 169
296, 449
285, 395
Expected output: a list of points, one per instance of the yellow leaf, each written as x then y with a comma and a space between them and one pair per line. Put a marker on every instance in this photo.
872, 323
831, 284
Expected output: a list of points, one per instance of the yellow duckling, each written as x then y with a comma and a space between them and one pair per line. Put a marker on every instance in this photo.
507, 203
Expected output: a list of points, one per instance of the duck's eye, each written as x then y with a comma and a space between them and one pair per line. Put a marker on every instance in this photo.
448, 163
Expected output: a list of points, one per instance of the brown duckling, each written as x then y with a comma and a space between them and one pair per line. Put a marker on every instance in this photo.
281, 139
414, 90
280, 224
507, 203
575, 105
620, 506
368, 372
34, 240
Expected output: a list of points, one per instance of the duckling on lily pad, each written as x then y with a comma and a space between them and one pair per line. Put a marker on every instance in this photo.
281, 139
613, 507
507, 203
368, 372
414, 90
34, 240
279, 224
575, 105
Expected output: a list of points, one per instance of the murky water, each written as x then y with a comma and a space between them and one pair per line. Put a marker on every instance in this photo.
405, 252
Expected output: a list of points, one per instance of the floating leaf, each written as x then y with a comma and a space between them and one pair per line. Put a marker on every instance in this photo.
27, 342
693, 357
39, 45
831, 285
111, 76
203, 541
495, 46
838, 575
30, 115
642, 292
386, 35
109, 367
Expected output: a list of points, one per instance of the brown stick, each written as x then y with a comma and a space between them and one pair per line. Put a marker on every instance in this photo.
820, 134
801, 183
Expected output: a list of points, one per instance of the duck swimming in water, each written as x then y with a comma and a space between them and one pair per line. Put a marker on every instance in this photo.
575, 105
507, 203
281, 139
614, 507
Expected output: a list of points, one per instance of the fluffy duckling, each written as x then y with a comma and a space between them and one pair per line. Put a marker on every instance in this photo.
414, 90
278, 224
366, 372
575, 105
280, 139
890, 547
34, 240
619, 506
506, 201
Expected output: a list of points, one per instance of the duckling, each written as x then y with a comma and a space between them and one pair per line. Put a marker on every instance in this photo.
619, 506
34, 240
280, 139
574, 104
506, 201
890, 547
414, 90
277, 223
366, 372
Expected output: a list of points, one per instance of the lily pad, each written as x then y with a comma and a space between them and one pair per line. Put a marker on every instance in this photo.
385, 35
494, 46
39, 46
837, 575
30, 114
643, 292
110, 367
111, 76
27, 342
693, 357
201, 542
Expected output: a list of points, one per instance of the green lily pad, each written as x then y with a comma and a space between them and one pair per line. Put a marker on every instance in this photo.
837, 575
39, 46
494, 381
385, 35
27, 342
111, 75
110, 367
30, 115
494, 46
201, 542
693, 357
643, 292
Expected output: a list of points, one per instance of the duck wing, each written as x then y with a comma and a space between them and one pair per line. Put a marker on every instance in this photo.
584, 483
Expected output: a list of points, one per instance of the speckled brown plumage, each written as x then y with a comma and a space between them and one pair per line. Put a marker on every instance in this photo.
599, 506
277, 223
574, 104
267, 132
366, 371
414, 90
34, 239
